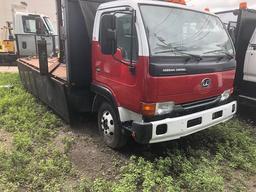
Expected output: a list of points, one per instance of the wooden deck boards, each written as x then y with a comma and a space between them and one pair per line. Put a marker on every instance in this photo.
60, 71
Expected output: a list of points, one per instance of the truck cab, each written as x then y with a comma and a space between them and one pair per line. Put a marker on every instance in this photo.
25, 23
153, 70
19, 37
241, 25
168, 67
28, 28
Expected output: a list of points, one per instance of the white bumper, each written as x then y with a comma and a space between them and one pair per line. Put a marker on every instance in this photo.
185, 125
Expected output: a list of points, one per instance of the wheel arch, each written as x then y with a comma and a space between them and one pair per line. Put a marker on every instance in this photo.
103, 94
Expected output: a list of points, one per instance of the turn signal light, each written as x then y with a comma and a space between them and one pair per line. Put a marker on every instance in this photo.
207, 9
243, 5
148, 109
182, 2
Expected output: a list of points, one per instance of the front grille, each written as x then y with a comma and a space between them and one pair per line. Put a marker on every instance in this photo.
188, 108
200, 103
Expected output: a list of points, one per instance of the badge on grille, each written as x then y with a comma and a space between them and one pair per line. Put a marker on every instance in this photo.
206, 83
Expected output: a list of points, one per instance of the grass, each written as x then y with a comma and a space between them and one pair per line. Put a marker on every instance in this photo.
207, 161
32, 164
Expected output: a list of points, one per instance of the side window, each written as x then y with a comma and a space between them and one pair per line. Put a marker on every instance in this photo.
29, 24
232, 27
33, 24
253, 39
124, 35
124, 41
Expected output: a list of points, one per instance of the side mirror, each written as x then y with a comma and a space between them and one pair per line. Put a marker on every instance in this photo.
108, 35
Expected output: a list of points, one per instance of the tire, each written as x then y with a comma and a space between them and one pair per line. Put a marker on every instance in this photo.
110, 127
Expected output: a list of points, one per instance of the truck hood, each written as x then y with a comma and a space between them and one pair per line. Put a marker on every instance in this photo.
189, 83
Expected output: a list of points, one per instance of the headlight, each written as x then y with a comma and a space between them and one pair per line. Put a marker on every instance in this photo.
153, 109
225, 95
164, 108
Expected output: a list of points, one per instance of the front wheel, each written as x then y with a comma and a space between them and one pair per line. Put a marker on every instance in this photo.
110, 128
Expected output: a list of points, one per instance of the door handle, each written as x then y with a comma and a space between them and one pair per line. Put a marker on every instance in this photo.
98, 69
253, 46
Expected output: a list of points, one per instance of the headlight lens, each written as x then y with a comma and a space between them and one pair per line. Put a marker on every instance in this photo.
164, 108
153, 109
225, 95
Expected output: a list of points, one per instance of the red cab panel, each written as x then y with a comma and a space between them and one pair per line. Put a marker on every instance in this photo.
188, 88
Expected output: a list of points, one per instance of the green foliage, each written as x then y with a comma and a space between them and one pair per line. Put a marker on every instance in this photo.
233, 141
32, 164
145, 176
202, 175
99, 185
68, 143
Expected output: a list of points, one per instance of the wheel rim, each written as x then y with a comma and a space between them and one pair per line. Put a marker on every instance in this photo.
107, 124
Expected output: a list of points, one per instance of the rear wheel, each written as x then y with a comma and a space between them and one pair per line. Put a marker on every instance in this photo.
110, 128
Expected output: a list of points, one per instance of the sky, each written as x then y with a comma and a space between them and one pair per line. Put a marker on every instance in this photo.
219, 5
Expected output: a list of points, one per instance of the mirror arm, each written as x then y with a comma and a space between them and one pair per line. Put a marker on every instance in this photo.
132, 29
132, 67
119, 60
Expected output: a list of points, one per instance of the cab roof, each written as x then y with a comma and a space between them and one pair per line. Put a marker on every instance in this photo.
134, 4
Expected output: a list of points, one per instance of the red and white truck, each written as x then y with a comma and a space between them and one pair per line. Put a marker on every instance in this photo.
154, 70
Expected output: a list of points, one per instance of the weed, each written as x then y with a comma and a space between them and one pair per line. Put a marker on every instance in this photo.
68, 143
32, 164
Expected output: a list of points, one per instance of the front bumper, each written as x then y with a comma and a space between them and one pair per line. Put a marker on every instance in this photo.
175, 128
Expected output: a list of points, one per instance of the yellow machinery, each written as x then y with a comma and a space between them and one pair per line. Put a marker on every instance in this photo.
7, 43
8, 54
9, 46
1, 46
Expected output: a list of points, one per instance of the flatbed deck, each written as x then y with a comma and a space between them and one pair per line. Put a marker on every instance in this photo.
56, 69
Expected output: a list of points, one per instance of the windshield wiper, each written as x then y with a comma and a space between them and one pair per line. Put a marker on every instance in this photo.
173, 50
170, 49
230, 56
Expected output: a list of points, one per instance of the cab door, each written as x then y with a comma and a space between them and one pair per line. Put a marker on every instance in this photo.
250, 60
114, 71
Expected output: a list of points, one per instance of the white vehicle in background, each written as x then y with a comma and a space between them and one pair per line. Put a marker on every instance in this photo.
19, 37
250, 61
28, 28
241, 25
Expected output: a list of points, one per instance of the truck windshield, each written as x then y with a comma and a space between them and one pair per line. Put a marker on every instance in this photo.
49, 24
176, 32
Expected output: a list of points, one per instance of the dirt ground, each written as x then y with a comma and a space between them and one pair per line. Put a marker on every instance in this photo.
10, 69
5, 141
94, 159
89, 154
252, 184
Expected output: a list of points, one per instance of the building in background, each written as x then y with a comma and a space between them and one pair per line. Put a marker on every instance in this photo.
46, 7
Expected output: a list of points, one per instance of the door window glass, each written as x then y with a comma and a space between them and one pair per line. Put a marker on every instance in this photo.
29, 24
253, 40
49, 24
34, 24
124, 35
